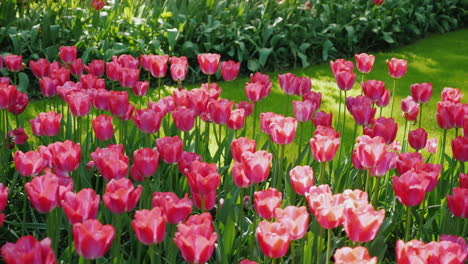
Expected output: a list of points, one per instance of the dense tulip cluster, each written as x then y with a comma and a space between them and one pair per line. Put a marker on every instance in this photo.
179, 127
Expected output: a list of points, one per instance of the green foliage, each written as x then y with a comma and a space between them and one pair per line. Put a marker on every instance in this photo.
263, 35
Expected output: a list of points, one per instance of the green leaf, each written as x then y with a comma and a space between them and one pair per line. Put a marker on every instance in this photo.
23, 82
387, 36
172, 34
52, 52
326, 48
264, 54
253, 65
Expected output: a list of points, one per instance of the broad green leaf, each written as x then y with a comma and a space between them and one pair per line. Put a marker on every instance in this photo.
264, 53
23, 82
253, 65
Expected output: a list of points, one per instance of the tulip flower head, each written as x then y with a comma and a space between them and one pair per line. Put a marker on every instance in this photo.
28, 249
92, 239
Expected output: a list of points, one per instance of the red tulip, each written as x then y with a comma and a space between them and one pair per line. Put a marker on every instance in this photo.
76, 67
30, 163
48, 86
302, 179
360, 107
370, 151
3, 196
254, 91
92, 239
413, 251
357, 255
249, 107
209, 63
266, 119
283, 131
176, 210
397, 67
445, 114
28, 250
264, 80
373, 89
65, 155
239, 145
118, 103
46, 124
186, 160
410, 188
146, 60
98, 4
43, 192
324, 146
329, 210
383, 127
158, 65
111, 162
409, 108
295, 218
341, 65
62, 75
460, 148
421, 93
345, 80
384, 100
88, 81
81, 206
79, 103
230, 70
246, 261
196, 238
150, 225
140, 88
121, 196
316, 195
236, 119
213, 90
16, 137
7, 95
431, 145
13, 63
303, 110
102, 126
288, 83
184, 118
322, 119
68, 54
257, 165
239, 177
196, 100
127, 61
147, 120
129, 77
179, 68
113, 71
315, 98
220, 110
170, 148
417, 138
145, 161
408, 161
203, 177
163, 105
266, 202
204, 201
453, 95
362, 223
458, 202
463, 179
96, 67
40, 68
273, 238
377, 2
364, 62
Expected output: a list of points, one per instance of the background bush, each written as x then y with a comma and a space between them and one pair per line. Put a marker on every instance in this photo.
264, 35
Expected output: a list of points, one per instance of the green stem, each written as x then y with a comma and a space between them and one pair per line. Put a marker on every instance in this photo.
319, 245
84, 261
368, 177
420, 114
209, 80
254, 119
281, 172
322, 173
292, 252
301, 125
329, 239
408, 223
465, 227
393, 99
442, 149
151, 250
159, 88
116, 252
405, 137
339, 110
376, 191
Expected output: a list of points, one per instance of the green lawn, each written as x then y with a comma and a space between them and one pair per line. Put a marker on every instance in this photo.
439, 59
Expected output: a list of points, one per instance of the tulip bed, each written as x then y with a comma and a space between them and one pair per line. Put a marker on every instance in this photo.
117, 172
